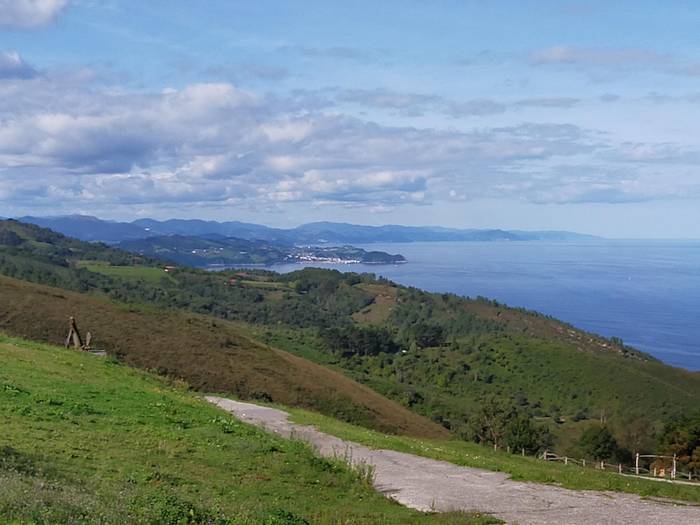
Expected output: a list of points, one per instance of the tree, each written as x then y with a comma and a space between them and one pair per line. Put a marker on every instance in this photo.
599, 443
682, 437
498, 422
638, 434
522, 434
351, 340
10, 238
489, 422
426, 335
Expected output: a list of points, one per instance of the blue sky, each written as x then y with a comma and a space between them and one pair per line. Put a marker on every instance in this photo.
531, 115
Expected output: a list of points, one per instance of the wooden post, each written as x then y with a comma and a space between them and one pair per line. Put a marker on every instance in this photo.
74, 335
654, 471
566, 460
619, 468
673, 469
636, 463
584, 462
522, 451
602, 465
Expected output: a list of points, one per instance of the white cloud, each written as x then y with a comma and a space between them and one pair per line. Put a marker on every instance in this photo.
13, 66
471, 108
418, 104
214, 144
28, 14
547, 102
590, 56
614, 60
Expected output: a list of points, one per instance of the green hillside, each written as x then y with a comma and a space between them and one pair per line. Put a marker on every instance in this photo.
208, 251
199, 251
211, 355
439, 355
480, 350
86, 440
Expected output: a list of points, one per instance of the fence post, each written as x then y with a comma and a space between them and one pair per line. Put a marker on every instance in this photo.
523, 452
636, 463
566, 460
673, 470
602, 464
584, 462
654, 471
619, 468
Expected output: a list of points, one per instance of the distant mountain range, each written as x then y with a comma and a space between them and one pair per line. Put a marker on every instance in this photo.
88, 228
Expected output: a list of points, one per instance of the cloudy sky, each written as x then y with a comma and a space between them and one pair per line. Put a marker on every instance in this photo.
525, 114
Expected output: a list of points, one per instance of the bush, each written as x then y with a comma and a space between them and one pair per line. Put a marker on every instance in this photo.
10, 238
355, 340
599, 443
522, 434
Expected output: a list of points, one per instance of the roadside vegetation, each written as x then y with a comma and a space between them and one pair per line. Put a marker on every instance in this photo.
87, 440
519, 468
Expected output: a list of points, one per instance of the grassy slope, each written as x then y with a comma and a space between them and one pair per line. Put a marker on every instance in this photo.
86, 440
146, 273
548, 362
549, 374
211, 355
525, 469
545, 366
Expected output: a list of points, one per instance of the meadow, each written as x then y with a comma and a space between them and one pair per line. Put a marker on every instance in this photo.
87, 440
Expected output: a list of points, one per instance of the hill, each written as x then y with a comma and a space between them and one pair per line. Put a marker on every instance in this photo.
190, 250
446, 357
92, 229
87, 228
86, 440
210, 355
442, 356
214, 250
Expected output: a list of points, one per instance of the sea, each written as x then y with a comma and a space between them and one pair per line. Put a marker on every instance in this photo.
645, 292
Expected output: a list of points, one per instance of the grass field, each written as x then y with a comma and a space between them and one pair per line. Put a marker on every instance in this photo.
384, 301
268, 285
520, 468
87, 440
130, 273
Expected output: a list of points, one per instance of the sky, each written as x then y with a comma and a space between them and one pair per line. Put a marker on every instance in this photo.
522, 114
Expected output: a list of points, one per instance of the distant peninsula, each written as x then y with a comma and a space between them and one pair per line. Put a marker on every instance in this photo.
216, 251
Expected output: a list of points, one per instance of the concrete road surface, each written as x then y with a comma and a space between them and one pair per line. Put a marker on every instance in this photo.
431, 485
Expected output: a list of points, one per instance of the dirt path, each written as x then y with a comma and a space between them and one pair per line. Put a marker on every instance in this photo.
427, 484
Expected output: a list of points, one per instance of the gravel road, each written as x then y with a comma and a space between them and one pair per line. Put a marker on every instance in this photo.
431, 485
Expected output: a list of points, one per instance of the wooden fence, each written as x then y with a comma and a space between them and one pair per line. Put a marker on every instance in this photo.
655, 472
